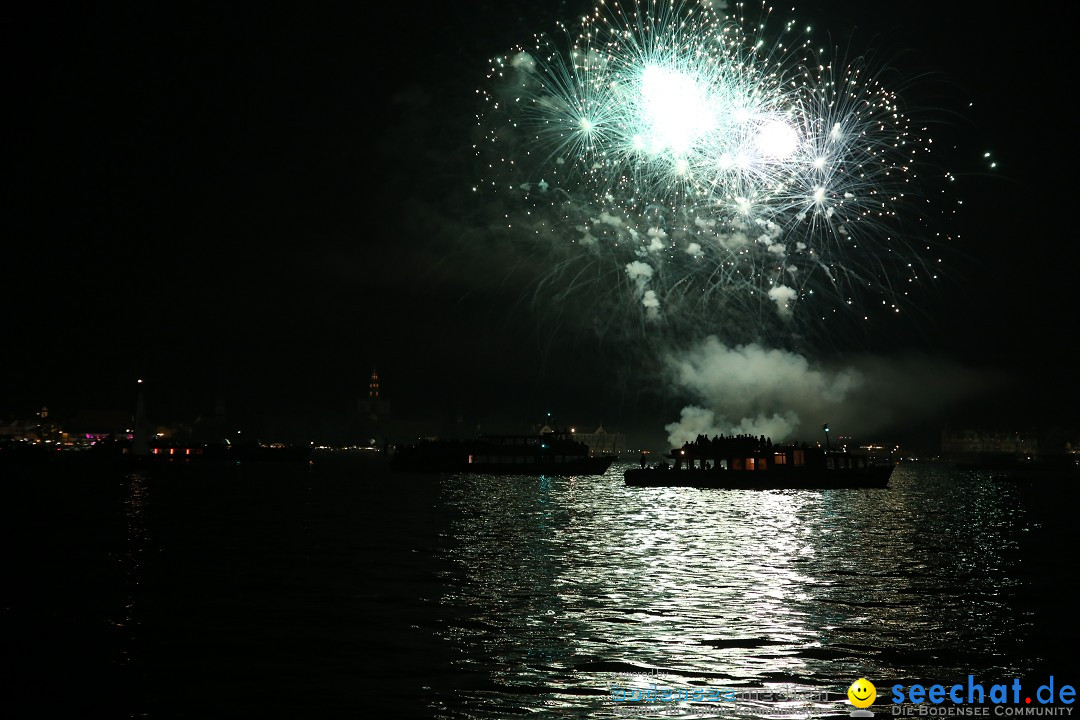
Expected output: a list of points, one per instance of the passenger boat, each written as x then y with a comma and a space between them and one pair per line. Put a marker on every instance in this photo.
552, 453
756, 464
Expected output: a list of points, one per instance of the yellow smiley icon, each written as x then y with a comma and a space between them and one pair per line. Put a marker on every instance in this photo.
862, 693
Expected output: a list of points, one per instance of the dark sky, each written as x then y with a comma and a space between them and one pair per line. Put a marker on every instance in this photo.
260, 204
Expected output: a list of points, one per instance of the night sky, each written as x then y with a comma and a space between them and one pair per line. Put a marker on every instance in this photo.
258, 205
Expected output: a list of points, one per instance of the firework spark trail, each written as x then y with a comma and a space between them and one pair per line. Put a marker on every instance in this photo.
693, 178
752, 178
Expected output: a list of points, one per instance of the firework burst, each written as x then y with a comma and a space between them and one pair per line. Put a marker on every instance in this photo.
689, 174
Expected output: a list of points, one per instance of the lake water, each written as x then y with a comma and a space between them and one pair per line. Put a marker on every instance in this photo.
336, 589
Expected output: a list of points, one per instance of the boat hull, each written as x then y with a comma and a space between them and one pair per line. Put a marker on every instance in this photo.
875, 476
584, 466
548, 454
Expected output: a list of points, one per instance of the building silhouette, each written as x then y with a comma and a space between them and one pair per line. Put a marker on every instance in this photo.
600, 441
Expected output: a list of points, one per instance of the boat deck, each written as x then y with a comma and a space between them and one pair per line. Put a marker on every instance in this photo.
744, 462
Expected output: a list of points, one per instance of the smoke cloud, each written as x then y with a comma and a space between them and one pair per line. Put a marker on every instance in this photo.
751, 389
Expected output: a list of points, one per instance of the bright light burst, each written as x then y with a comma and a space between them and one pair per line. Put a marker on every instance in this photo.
690, 174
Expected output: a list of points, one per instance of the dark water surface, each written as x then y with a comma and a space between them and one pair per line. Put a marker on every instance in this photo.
335, 590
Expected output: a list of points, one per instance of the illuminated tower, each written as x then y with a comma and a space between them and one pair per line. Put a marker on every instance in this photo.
373, 388
376, 407
372, 413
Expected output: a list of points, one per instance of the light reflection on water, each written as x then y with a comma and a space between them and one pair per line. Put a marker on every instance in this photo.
171, 591
564, 586
134, 498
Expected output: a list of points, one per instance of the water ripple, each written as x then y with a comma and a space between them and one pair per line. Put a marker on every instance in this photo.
573, 584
